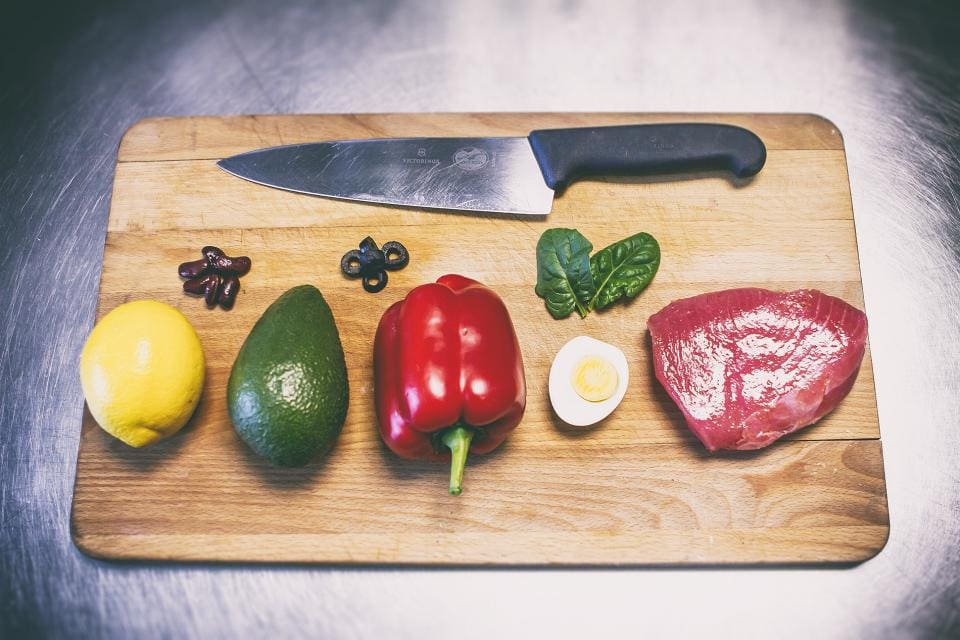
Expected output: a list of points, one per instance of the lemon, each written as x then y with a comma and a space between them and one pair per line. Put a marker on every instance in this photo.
142, 371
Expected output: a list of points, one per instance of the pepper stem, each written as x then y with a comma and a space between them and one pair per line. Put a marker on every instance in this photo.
458, 440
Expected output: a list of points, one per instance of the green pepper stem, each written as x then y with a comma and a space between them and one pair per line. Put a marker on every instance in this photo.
458, 440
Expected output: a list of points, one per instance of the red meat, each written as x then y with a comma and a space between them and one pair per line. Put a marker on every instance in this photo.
748, 366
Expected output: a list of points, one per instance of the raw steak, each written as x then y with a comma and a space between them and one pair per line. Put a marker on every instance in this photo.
748, 366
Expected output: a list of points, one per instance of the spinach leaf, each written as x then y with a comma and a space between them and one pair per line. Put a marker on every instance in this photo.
563, 272
623, 269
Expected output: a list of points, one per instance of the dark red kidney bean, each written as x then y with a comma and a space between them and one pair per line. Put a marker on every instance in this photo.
216, 276
220, 261
208, 286
193, 269
211, 284
195, 285
229, 291
236, 266
211, 253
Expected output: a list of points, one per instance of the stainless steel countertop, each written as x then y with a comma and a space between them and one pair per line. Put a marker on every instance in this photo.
73, 78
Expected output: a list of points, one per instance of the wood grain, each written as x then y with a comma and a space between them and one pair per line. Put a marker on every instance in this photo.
635, 489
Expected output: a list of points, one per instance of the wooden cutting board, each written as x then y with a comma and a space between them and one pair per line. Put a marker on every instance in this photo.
635, 489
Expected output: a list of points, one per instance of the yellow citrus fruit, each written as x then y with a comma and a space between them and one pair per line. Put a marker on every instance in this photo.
142, 372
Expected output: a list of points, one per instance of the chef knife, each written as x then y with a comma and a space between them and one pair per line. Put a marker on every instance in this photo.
509, 175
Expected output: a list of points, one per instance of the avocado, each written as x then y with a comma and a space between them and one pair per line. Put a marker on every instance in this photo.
288, 390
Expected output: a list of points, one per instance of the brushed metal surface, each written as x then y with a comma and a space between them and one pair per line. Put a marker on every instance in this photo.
74, 75
498, 175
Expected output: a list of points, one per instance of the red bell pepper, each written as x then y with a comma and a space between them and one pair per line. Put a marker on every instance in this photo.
449, 375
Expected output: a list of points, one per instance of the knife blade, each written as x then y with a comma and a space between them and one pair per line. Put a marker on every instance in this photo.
499, 175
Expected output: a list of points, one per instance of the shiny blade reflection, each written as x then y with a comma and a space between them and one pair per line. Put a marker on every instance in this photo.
499, 175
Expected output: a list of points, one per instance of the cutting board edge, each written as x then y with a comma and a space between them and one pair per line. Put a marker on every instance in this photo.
137, 127
213, 548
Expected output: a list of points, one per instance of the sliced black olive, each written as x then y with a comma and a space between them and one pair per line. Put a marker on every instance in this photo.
374, 282
351, 263
368, 244
371, 261
396, 255
370, 256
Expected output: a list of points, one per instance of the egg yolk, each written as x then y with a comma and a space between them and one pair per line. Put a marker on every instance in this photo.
594, 379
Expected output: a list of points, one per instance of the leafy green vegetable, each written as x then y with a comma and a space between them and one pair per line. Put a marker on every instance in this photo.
569, 278
623, 269
563, 272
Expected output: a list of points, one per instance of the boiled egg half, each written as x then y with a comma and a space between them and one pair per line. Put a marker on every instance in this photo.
588, 379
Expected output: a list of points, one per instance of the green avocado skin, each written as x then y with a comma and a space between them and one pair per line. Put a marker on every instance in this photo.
288, 390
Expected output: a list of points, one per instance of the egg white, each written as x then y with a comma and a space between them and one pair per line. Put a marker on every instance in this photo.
567, 403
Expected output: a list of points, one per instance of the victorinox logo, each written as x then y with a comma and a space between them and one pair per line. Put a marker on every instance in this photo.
421, 158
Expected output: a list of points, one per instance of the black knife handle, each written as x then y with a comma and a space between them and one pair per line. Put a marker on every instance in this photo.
566, 155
